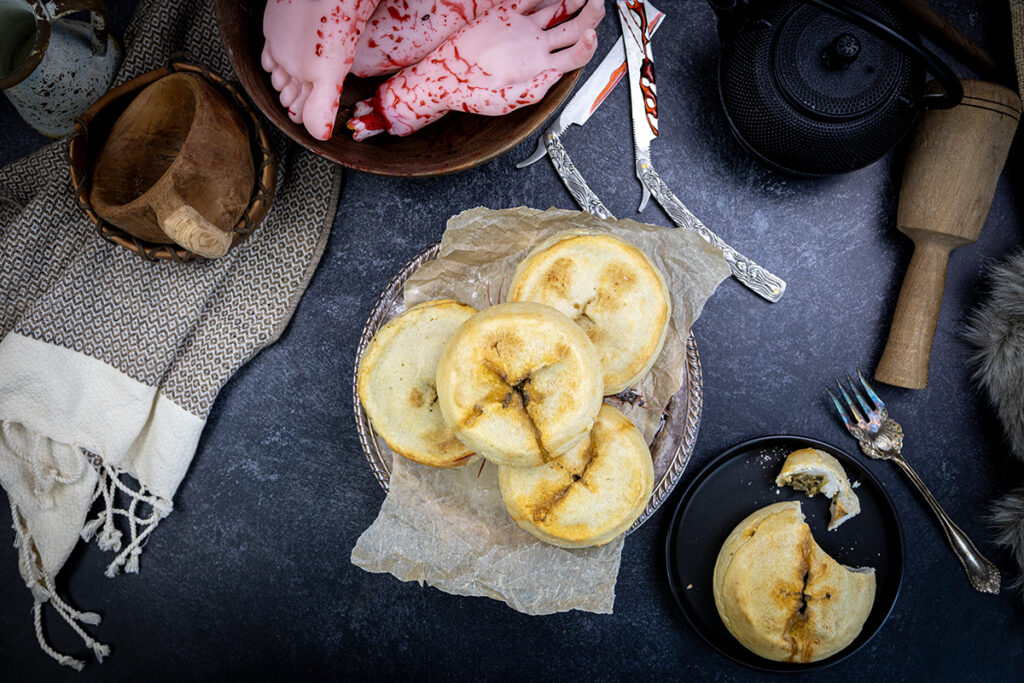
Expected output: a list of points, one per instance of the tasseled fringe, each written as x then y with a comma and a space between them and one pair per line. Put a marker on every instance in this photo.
44, 476
43, 590
108, 537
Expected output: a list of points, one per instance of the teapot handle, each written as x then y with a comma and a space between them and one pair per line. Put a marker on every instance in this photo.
954, 91
731, 14
98, 14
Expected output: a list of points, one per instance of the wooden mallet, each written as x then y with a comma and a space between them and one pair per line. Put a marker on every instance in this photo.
954, 161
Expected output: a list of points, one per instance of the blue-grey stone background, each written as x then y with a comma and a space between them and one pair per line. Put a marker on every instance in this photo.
251, 574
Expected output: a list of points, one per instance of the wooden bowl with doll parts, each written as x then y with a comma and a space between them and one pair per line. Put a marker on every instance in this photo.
176, 167
456, 142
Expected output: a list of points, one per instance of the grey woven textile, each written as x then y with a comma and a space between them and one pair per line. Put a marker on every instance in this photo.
183, 327
148, 344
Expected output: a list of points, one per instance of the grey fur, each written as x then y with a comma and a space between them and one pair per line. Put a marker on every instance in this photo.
996, 330
1008, 519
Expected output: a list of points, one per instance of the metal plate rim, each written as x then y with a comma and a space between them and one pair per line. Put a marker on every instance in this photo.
381, 470
723, 459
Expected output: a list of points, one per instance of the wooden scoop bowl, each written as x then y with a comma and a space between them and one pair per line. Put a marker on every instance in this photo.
177, 167
952, 167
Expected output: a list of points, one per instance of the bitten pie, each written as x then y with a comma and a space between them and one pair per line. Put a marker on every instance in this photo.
591, 494
519, 383
814, 471
611, 289
396, 383
781, 595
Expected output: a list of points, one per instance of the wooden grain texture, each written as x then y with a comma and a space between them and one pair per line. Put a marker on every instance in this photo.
954, 162
937, 28
176, 167
456, 142
93, 127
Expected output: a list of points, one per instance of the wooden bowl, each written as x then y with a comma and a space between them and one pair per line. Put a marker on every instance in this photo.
456, 142
93, 128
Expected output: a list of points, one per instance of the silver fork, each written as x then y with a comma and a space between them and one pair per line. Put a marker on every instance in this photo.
881, 437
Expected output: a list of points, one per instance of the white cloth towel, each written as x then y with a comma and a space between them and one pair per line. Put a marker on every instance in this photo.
109, 364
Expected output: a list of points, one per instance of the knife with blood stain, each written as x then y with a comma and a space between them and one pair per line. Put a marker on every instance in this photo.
580, 108
643, 97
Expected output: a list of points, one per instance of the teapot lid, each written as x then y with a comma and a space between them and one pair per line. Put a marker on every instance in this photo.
830, 69
809, 92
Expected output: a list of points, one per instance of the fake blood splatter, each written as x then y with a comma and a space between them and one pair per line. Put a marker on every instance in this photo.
502, 60
308, 52
402, 32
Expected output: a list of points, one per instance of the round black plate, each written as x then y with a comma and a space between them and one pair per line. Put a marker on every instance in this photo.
742, 480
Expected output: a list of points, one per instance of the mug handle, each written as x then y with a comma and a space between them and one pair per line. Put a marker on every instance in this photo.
186, 226
98, 15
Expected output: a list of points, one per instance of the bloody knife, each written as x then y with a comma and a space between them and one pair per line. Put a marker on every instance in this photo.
582, 105
643, 99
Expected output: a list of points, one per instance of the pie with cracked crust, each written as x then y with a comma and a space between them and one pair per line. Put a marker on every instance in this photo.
782, 596
396, 383
611, 289
591, 494
519, 383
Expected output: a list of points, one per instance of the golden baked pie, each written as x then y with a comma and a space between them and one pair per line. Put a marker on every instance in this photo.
519, 383
611, 289
396, 386
814, 471
591, 494
781, 595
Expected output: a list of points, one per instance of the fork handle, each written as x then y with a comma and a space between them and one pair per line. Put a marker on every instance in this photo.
982, 574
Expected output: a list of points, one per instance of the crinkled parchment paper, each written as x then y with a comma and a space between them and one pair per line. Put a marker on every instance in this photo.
450, 527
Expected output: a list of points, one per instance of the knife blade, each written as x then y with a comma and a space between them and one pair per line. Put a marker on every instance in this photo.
581, 106
643, 98
633, 18
593, 92
588, 98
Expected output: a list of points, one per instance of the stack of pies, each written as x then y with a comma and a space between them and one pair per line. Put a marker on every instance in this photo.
521, 384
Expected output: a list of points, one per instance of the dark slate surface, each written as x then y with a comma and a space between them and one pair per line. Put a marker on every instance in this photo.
251, 573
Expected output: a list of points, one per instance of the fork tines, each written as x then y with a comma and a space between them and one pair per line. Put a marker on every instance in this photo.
872, 415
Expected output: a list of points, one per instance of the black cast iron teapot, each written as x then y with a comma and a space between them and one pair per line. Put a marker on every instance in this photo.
818, 87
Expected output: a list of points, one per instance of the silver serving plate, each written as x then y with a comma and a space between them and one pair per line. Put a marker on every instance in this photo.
672, 445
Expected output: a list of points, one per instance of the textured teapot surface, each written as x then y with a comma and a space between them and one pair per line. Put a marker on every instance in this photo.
810, 93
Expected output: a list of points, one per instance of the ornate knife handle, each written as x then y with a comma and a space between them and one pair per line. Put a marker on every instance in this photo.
759, 280
572, 178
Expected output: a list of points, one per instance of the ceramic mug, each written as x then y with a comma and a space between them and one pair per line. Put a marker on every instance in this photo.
53, 68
